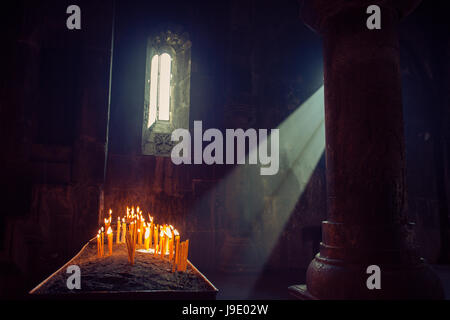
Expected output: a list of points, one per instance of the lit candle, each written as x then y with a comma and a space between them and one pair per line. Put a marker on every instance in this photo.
131, 242
108, 221
171, 249
139, 236
142, 227
150, 227
128, 243
102, 241
155, 233
176, 249
177, 244
109, 233
98, 244
118, 230
162, 243
169, 243
131, 227
147, 238
124, 230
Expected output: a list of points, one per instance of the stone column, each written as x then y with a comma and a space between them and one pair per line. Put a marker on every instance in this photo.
365, 157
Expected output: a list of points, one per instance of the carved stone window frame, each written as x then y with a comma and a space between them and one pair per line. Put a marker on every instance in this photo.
156, 138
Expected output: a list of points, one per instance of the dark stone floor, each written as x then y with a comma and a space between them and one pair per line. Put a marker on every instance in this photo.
266, 286
274, 285
443, 272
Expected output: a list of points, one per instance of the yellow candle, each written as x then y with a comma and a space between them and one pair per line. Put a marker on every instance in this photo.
170, 249
147, 238
110, 240
155, 233
106, 224
102, 239
124, 230
161, 243
108, 221
131, 242
177, 244
128, 241
118, 230
142, 226
169, 243
98, 244
180, 257
150, 229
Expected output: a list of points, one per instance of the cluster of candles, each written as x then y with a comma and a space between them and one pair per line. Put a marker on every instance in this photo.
163, 241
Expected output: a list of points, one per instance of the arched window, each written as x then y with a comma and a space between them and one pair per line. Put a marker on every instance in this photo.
160, 76
167, 90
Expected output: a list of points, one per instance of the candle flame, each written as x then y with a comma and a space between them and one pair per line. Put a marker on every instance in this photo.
175, 232
168, 232
109, 231
147, 233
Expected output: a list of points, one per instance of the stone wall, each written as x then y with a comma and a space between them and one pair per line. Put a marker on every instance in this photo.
55, 100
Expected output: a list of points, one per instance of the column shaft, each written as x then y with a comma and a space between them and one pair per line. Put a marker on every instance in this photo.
365, 158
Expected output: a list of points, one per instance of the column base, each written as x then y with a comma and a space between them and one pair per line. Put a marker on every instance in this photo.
337, 280
300, 292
